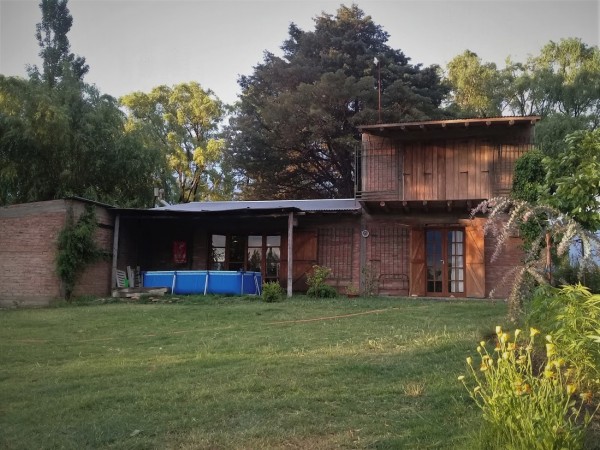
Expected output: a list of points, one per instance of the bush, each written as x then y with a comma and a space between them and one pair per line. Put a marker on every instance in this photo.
526, 409
272, 292
571, 315
316, 283
322, 291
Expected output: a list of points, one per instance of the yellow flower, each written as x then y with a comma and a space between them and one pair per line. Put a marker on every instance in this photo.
505, 355
517, 333
512, 346
533, 331
479, 349
550, 350
504, 337
461, 377
548, 338
498, 330
482, 343
469, 360
477, 389
548, 372
483, 367
571, 389
559, 363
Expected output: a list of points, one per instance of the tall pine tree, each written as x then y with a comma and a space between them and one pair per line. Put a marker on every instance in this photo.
294, 134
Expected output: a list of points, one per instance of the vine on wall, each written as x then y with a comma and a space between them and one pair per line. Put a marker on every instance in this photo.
76, 248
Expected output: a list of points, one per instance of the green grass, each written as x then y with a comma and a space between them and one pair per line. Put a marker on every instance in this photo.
240, 373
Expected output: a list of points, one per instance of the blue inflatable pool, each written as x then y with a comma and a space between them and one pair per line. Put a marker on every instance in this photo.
205, 282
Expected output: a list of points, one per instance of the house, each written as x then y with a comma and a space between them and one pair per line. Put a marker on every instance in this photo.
407, 232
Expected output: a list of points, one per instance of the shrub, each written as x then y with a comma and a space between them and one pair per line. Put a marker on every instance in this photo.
316, 283
322, 291
272, 292
571, 315
526, 409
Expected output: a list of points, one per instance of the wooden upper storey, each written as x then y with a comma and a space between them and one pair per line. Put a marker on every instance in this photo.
441, 161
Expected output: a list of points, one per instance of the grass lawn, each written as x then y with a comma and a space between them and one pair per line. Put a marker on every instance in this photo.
239, 373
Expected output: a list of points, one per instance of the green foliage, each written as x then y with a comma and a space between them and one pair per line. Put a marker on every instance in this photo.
61, 137
564, 79
525, 408
294, 133
529, 176
571, 315
573, 179
272, 292
316, 283
370, 280
506, 216
51, 34
476, 85
76, 248
181, 122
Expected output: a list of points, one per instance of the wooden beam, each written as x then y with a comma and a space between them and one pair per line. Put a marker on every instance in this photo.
115, 252
290, 256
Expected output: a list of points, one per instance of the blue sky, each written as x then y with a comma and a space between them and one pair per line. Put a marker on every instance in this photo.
138, 44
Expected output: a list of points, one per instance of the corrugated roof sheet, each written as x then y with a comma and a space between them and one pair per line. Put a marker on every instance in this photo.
346, 204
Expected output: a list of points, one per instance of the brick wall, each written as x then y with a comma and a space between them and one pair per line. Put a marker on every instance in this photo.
499, 274
28, 237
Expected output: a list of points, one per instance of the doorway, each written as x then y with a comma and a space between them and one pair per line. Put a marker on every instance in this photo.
445, 258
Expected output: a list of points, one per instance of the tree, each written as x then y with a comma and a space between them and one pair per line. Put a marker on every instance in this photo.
62, 137
562, 80
294, 132
573, 179
476, 85
51, 34
182, 123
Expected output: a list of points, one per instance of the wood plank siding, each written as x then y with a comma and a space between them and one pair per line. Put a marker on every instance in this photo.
441, 161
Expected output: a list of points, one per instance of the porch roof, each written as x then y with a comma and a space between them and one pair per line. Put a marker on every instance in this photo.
324, 205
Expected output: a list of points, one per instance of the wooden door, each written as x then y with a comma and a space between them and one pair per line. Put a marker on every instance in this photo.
417, 262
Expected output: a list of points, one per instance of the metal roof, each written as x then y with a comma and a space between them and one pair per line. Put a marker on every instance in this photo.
346, 204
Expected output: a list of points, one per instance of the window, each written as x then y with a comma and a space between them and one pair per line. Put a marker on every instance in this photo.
217, 254
254, 253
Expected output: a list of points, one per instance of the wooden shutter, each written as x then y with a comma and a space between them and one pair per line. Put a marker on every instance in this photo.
417, 262
475, 259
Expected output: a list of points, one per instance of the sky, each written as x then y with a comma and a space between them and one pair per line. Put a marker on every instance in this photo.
135, 45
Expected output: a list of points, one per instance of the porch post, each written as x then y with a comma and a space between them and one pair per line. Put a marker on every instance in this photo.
115, 252
290, 257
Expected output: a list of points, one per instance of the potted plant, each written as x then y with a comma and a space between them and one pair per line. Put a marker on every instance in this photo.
351, 291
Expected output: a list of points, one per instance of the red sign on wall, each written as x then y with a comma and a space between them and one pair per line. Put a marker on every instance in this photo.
179, 252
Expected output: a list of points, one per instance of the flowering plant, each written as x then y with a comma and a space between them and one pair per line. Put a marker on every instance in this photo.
528, 407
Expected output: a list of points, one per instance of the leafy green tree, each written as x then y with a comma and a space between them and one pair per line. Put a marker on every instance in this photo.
182, 122
563, 80
51, 34
476, 85
294, 132
62, 137
573, 179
